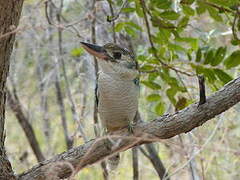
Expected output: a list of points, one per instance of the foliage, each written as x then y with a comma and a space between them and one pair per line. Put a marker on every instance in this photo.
177, 41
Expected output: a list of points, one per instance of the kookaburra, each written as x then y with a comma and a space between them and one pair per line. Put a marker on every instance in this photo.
118, 88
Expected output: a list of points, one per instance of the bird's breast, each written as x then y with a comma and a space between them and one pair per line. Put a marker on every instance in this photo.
118, 101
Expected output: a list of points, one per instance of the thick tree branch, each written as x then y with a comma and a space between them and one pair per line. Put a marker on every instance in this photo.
161, 128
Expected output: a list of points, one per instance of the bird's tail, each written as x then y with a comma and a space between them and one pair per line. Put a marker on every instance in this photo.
112, 162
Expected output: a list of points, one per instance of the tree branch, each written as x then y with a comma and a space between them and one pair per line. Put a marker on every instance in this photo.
16, 107
156, 161
161, 128
135, 164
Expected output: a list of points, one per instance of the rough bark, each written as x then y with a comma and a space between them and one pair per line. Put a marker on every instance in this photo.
9, 18
161, 128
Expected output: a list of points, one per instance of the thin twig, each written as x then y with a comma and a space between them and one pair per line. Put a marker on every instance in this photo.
234, 25
115, 17
46, 13
14, 31
112, 22
62, 26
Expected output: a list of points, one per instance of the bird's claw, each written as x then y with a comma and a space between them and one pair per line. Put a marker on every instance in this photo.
131, 126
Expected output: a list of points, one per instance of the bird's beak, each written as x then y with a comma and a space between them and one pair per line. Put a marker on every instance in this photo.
95, 50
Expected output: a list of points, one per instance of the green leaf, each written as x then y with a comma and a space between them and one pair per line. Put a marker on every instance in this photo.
210, 75
119, 26
160, 108
176, 47
198, 55
161, 23
132, 24
142, 58
76, 52
128, 10
209, 56
130, 31
163, 36
188, 10
138, 9
170, 15
189, 2
201, 7
235, 42
192, 41
223, 76
214, 14
153, 97
226, 3
152, 76
151, 85
183, 22
171, 92
189, 56
220, 54
147, 67
162, 4
233, 60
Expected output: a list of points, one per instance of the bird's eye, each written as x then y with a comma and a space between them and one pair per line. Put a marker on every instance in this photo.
117, 55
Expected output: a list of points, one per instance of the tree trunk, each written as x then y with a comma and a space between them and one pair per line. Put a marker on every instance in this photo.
9, 17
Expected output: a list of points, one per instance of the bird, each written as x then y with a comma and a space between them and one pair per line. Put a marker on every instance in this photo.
117, 89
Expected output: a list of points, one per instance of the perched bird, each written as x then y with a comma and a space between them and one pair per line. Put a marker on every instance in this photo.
117, 88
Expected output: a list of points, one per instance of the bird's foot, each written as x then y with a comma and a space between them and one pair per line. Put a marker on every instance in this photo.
131, 125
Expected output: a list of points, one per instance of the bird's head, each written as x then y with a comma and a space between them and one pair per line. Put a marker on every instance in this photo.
114, 60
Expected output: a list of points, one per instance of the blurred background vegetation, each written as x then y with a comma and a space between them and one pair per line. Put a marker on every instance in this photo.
52, 79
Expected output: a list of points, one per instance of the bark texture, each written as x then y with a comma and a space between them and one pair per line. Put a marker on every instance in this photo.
9, 17
161, 128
